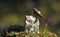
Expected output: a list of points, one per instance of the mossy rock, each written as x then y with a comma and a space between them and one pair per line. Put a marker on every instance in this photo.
42, 34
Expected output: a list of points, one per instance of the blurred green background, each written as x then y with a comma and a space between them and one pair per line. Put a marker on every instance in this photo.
13, 12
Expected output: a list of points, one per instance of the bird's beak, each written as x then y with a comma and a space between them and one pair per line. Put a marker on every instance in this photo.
39, 13
42, 16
